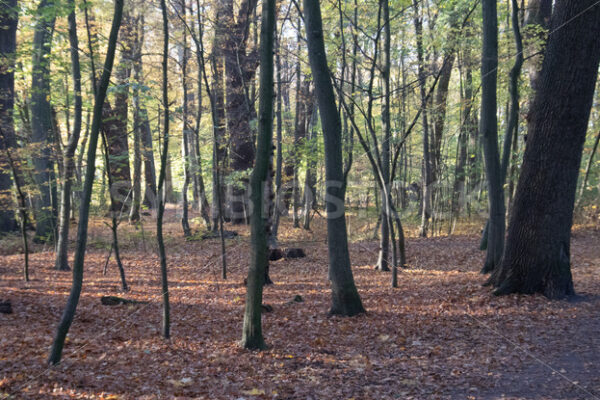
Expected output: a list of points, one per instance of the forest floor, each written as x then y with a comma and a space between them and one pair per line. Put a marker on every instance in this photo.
440, 335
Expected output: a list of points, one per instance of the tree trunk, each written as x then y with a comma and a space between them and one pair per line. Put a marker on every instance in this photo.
252, 337
166, 311
384, 242
8, 44
115, 120
345, 298
239, 71
279, 151
196, 155
537, 22
537, 254
218, 109
41, 123
136, 189
62, 262
588, 167
150, 193
71, 306
489, 136
427, 167
186, 137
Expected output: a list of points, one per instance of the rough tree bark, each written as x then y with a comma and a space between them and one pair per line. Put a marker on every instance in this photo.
115, 119
345, 298
537, 254
240, 67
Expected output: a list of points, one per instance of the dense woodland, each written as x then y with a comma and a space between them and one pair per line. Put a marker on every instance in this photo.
257, 172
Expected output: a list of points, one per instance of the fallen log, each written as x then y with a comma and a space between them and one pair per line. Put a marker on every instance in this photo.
115, 301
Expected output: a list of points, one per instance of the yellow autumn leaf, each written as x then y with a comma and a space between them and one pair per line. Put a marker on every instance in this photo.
254, 392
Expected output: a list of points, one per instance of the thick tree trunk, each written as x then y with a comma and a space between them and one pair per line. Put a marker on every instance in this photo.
42, 137
62, 262
537, 22
71, 306
345, 298
8, 45
537, 254
239, 71
252, 337
115, 120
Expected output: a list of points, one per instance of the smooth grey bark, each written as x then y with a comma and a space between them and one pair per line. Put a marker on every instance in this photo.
71, 306
42, 137
537, 256
62, 262
252, 337
345, 298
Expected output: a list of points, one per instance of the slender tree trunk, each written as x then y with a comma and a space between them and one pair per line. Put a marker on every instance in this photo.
588, 168
219, 143
71, 306
166, 325
41, 123
279, 150
62, 262
186, 134
252, 337
537, 256
150, 192
427, 166
489, 136
384, 243
345, 298
310, 181
136, 189
197, 158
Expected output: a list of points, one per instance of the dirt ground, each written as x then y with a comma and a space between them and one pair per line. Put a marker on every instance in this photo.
440, 335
